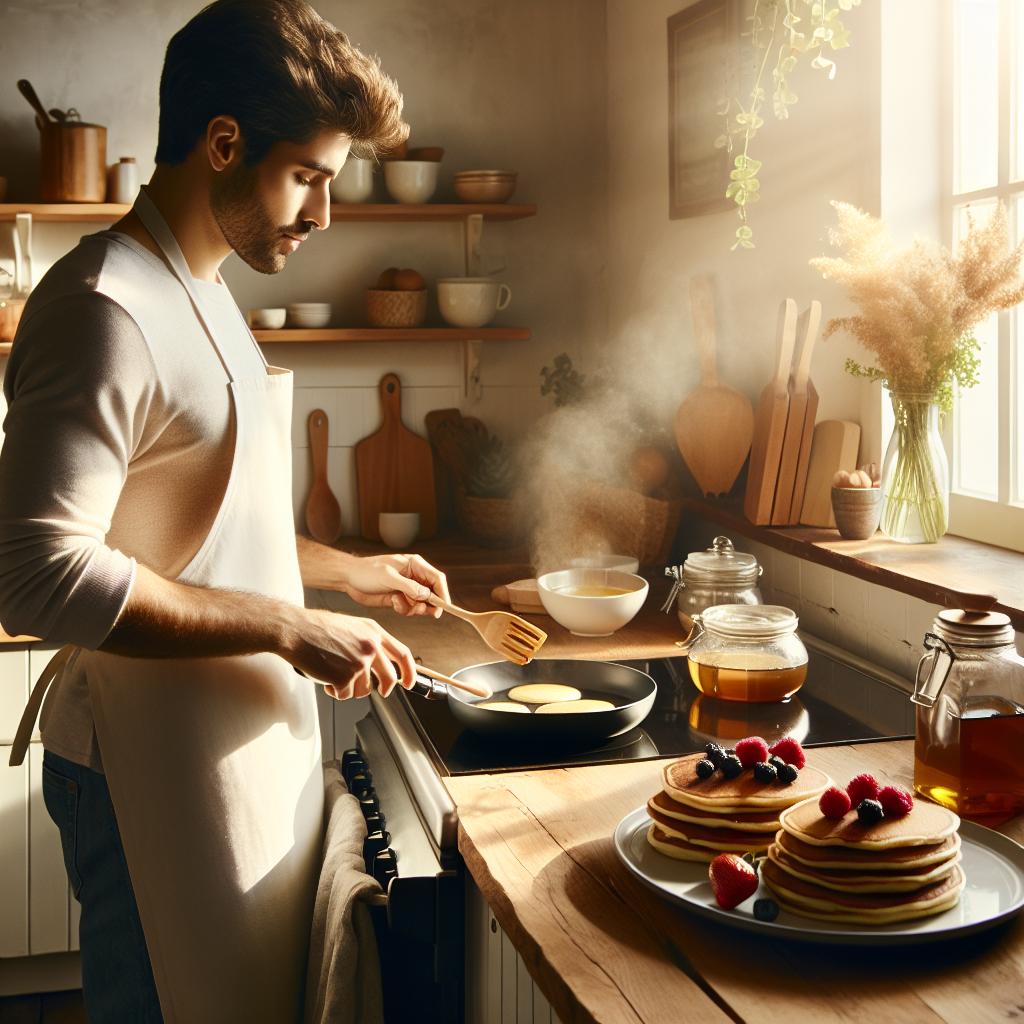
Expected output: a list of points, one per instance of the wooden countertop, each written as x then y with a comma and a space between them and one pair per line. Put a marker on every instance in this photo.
604, 948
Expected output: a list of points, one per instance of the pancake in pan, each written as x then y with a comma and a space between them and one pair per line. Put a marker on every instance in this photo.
543, 693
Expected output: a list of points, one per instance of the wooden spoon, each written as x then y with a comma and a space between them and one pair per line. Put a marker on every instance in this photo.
715, 424
26, 90
323, 513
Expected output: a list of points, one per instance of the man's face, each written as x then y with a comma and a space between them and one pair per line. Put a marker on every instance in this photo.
265, 212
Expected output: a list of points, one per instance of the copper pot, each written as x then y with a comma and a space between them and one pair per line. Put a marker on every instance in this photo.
73, 166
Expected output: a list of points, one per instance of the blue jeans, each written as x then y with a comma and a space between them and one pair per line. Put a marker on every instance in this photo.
117, 980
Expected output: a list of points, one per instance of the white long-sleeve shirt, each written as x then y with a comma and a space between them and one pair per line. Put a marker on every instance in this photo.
117, 449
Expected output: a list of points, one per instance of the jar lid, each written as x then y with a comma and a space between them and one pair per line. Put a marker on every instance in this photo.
721, 563
973, 629
750, 621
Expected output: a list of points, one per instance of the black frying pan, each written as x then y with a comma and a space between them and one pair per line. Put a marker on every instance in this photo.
630, 690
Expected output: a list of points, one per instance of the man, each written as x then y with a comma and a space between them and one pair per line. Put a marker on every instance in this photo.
146, 524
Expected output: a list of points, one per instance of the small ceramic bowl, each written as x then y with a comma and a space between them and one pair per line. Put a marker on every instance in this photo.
857, 511
398, 529
624, 563
309, 314
354, 183
270, 319
411, 181
574, 599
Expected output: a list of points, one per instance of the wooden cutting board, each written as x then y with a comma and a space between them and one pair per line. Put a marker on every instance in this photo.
797, 426
834, 447
770, 424
714, 423
323, 513
394, 468
810, 417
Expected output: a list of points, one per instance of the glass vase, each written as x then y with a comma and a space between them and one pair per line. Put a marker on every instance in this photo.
915, 474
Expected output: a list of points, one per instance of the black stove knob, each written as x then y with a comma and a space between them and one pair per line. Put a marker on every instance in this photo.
350, 755
385, 867
375, 822
361, 783
369, 803
374, 843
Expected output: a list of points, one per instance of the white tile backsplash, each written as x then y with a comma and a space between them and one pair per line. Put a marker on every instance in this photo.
885, 612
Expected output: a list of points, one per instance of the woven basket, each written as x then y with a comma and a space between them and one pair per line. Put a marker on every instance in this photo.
495, 522
395, 309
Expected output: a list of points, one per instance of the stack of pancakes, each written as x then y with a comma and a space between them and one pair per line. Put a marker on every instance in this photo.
697, 819
893, 870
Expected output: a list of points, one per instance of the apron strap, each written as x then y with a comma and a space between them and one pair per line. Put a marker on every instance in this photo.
28, 720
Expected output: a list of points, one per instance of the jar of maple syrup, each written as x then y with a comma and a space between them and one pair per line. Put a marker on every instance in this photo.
746, 653
969, 732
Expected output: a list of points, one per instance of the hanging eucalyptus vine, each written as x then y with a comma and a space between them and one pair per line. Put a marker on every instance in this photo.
781, 31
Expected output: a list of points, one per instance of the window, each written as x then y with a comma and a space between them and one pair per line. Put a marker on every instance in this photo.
985, 165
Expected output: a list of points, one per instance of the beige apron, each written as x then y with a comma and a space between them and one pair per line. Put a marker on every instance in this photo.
214, 764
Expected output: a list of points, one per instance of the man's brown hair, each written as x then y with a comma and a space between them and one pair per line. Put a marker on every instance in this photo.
283, 72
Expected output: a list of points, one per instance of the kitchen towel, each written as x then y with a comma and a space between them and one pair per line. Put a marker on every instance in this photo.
343, 983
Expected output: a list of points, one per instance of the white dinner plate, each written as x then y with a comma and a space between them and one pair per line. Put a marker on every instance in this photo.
992, 864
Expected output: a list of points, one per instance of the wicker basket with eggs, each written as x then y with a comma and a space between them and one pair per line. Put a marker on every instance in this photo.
398, 299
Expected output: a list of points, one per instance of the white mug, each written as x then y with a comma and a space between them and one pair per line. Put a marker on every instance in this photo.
354, 183
398, 529
471, 301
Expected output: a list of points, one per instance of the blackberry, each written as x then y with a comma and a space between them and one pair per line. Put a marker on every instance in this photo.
776, 761
731, 766
705, 769
766, 910
715, 754
765, 772
787, 773
869, 812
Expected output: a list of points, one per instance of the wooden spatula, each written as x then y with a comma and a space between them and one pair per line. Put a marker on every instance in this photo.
796, 421
770, 424
323, 513
513, 638
714, 423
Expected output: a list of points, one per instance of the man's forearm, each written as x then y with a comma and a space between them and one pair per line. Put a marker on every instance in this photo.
322, 567
166, 619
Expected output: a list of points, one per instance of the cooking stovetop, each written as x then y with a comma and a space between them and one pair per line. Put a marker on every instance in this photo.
839, 703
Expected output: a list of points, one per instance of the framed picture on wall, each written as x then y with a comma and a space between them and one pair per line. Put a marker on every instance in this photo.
700, 41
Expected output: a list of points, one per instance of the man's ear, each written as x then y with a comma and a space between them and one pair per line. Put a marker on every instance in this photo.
223, 142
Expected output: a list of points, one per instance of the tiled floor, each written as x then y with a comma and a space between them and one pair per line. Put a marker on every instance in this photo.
49, 1008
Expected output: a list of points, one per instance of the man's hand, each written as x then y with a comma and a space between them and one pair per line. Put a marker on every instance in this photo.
401, 582
346, 652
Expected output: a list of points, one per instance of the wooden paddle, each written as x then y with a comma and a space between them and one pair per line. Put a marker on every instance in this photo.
770, 424
394, 468
796, 421
834, 447
810, 418
323, 513
714, 423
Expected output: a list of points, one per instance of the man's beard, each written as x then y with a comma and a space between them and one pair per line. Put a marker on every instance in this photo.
245, 223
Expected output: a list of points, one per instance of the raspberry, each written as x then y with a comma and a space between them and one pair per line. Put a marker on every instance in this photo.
751, 750
862, 787
834, 803
790, 751
895, 802
869, 812
705, 769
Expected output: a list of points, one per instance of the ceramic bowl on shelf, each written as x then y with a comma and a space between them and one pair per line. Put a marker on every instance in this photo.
309, 314
485, 186
354, 183
267, 319
398, 529
592, 602
857, 511
411, 181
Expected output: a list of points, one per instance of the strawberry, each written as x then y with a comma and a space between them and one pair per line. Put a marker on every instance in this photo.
790, 751
834, 803
751, 750
895, 802
733, 879
862, 787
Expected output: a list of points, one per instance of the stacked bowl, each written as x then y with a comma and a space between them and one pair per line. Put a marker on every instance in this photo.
485, 186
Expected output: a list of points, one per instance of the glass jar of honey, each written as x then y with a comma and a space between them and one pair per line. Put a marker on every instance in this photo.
746, 653
969, 731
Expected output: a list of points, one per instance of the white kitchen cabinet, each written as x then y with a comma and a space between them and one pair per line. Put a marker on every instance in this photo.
13, 691
14, 888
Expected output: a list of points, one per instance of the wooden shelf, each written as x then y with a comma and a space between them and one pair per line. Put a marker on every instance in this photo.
396, 212
932, 572
343, 334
